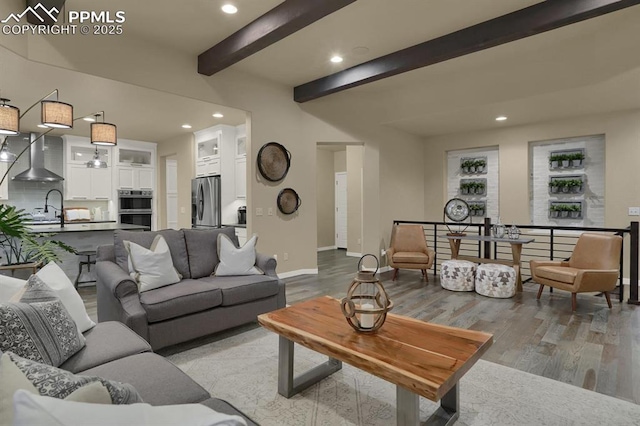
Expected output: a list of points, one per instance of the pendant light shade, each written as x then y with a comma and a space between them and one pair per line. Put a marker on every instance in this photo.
104, 134
9, 119
6, 156
57, 114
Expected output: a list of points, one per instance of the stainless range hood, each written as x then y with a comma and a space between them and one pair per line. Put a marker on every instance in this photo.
36, 171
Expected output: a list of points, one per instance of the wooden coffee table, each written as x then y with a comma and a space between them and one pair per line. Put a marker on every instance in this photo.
420, 358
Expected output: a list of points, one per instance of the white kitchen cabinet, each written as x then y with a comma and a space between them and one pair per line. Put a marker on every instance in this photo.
241, 178
208, 167
130, 177
4, 188
208, 146
136, 157
83, 183
241, 146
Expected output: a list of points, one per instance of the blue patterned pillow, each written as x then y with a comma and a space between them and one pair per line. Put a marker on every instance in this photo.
58, 383
39, 328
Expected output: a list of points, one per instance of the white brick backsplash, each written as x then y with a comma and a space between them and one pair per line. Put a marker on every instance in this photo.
593, 171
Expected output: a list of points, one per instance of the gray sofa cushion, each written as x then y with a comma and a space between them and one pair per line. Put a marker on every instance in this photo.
183, 298
202, 246
157, 380
107, 341
175, 241
242, 289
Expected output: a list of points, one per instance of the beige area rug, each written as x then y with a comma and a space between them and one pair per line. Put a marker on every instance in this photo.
242, 369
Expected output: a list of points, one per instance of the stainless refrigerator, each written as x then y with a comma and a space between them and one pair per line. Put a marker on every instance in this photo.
205, 202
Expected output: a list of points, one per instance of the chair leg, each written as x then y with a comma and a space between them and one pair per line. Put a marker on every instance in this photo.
395, 274
425, 275
574, 301
606, 295
540, 291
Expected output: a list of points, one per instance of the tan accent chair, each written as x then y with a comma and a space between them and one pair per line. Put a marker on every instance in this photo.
408, 250
593, 266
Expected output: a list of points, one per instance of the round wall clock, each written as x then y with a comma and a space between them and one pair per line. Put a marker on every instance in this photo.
456, 210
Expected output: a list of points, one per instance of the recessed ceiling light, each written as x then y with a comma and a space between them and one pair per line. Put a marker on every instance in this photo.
360, 50
229, 8
336, 59
218, 115
501, 118
89, 119
42, 126
186, 126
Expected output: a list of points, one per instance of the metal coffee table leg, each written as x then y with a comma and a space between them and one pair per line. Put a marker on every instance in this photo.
288, 386
408, 408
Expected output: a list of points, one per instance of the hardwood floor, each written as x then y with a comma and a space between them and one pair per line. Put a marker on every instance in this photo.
596, 348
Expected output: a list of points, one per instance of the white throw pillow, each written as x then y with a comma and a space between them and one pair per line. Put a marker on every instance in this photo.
236, 261
9, 286
151, 268
55, 278
41, 410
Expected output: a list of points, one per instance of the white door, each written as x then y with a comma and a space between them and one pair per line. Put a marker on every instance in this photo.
172, 194
341, 210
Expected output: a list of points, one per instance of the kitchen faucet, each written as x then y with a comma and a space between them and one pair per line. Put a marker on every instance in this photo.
46, 205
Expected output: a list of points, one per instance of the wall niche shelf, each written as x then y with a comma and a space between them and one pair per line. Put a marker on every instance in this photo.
477, 208
567, 159
473, 186
566, 209
566, 185
473, 165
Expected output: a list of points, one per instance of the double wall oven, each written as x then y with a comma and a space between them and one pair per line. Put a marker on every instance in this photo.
135, 207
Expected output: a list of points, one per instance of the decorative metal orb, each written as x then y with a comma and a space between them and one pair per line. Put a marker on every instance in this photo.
367, 303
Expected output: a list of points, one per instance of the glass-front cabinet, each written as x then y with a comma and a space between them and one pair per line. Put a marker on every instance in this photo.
78, 154
209, 148
134, 157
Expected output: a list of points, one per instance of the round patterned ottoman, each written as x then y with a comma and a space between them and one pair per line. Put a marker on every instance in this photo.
495, 280
457, 275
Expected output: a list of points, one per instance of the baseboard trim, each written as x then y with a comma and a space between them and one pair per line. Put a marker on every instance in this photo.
354, 254
327, 248
298, 272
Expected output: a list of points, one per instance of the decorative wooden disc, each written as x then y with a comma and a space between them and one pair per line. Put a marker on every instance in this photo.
274, 161
288, 201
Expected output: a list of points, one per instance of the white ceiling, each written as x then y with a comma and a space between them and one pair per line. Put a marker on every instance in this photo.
590, 67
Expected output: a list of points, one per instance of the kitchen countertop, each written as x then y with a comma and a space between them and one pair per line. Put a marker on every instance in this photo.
85, 227
236, 225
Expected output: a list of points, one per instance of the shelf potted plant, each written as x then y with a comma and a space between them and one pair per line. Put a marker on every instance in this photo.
553, 186
566, 160
554, 160
576, 159
479, 188
553, 211
563, 185
564, 210
479, 210
576, 185
480, 165
466, 166
575, 211
472, 187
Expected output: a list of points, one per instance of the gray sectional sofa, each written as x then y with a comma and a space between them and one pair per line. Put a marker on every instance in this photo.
198, 305
114, 352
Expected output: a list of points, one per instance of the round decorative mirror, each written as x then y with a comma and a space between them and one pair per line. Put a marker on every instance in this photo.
456, 210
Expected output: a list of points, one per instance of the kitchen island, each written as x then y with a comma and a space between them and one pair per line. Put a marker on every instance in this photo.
85, 236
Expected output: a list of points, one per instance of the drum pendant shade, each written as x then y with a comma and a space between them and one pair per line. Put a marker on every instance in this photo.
104, 134
57, 114
9, 120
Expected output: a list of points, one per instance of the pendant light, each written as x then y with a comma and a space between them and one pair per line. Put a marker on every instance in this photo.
56, 114
95, 162
103, 133
9, 119
7, 156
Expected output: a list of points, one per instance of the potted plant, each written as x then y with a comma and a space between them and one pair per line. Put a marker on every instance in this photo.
472, 166
554, 161
564, 210
479, 210
473, 186
466, 165
479, 186
553, 186
464, 188
553, 211
562, 185
575, 211
480, 165
565, 159
576, 185
576, 159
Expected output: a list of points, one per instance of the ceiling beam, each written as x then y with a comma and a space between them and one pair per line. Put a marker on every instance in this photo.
281, 21
536, 19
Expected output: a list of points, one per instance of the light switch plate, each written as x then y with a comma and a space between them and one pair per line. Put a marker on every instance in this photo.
634, 211
270, 211
258, 211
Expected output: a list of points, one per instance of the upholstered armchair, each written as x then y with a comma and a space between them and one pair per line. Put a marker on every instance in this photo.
408, 250
594, 266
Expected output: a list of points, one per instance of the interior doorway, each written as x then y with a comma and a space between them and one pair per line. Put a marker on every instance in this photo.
341, 210
172, 192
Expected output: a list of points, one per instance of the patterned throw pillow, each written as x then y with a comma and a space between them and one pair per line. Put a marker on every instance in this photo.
39, 328
58, 383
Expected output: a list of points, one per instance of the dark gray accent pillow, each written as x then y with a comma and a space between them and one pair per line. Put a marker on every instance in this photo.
58, 383
39, 328
174, 239
202, 246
